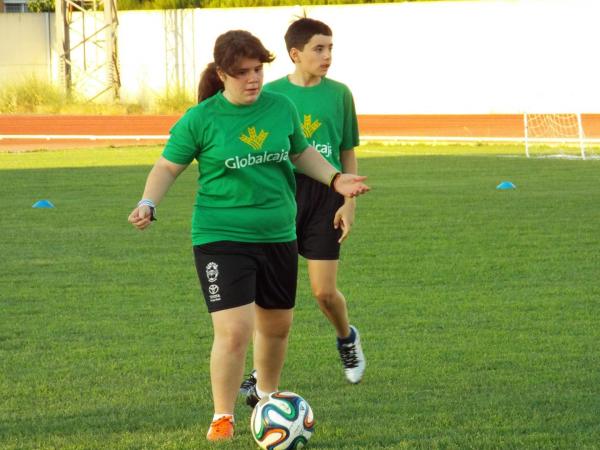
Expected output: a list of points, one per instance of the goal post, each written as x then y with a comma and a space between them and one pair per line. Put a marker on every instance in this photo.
554, 135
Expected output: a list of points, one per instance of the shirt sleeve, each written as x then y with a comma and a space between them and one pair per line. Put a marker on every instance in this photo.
350, 137
182, 146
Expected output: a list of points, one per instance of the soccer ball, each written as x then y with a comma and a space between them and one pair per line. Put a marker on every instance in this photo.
282, 421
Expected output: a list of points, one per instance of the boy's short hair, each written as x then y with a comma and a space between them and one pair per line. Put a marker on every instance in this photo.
302, 31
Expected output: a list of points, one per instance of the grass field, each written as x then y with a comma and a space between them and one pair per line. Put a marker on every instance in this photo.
478, 308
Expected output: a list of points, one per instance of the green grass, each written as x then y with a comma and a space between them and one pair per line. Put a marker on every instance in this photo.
478, 308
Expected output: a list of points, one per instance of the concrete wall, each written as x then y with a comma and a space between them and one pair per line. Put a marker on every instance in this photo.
166, 49
25, 46
468, 57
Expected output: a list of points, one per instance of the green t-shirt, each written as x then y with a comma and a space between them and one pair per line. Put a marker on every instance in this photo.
246, 183
327, 115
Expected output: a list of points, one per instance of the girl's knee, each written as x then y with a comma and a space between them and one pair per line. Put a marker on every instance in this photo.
276, 331
233, 339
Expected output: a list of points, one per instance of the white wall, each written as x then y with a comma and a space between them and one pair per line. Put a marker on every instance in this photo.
25, 46
468, 57
485, 57
152, 59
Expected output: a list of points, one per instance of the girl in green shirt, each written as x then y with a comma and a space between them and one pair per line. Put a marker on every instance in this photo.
243, 225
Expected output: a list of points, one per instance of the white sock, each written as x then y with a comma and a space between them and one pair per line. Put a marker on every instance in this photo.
218, 416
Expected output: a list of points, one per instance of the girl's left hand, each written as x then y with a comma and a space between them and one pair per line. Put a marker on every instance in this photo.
350, 185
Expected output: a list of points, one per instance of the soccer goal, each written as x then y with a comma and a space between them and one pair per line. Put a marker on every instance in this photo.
554, 135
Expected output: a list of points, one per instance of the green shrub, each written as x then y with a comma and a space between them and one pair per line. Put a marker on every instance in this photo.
31, 95
35, 96
41, 5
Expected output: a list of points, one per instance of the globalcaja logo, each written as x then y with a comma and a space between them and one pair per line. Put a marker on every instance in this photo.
309, 127
323, 149
239, 162
254, 140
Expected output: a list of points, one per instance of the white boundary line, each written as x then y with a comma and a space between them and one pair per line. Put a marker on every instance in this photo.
85, 137
157, 137
475, 139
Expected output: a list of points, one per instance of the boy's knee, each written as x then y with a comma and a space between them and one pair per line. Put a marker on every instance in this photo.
325, 297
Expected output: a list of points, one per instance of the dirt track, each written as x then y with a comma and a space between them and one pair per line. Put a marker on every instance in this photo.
495, 126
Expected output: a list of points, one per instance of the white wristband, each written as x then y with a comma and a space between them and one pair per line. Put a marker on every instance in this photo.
150, 204
147, 202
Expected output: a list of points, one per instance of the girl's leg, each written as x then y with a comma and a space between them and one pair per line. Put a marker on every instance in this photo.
270, 345
232, 333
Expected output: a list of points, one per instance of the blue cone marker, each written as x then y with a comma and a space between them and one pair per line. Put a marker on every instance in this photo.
506, 185
43, 204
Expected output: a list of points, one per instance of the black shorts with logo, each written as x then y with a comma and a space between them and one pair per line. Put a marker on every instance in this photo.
317, 205
238, 273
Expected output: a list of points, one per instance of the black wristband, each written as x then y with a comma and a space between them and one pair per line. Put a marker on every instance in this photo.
333, 178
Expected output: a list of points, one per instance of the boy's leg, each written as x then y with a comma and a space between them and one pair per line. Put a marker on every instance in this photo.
323, 282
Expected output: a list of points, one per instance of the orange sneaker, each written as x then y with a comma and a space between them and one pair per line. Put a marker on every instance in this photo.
220, 429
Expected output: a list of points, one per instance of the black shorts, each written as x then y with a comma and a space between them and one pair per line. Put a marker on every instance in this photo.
238, 273
317, 205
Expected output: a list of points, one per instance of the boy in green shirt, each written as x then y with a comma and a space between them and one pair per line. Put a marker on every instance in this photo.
324, 218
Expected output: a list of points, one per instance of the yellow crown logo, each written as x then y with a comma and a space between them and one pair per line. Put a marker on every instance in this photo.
254, 140
309, 127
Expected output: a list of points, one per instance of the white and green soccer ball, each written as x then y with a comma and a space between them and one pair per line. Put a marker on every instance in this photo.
282, 421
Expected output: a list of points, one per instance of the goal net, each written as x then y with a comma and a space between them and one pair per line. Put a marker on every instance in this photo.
555, 135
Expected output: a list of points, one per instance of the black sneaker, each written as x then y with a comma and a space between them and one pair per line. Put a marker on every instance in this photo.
252, 397
353, 359
248, 383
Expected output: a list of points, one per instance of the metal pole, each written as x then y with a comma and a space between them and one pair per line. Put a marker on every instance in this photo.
581, 137
112, 72
64, 43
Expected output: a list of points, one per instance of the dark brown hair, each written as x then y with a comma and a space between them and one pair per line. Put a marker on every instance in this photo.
230, 48
302, 30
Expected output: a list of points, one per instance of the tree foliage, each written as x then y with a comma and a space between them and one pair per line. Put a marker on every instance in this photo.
178, 4
40, 5
48, 5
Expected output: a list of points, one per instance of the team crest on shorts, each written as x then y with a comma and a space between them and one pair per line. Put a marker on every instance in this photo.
212, 272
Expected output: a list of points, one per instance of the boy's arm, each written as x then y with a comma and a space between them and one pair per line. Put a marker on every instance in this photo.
349, 163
